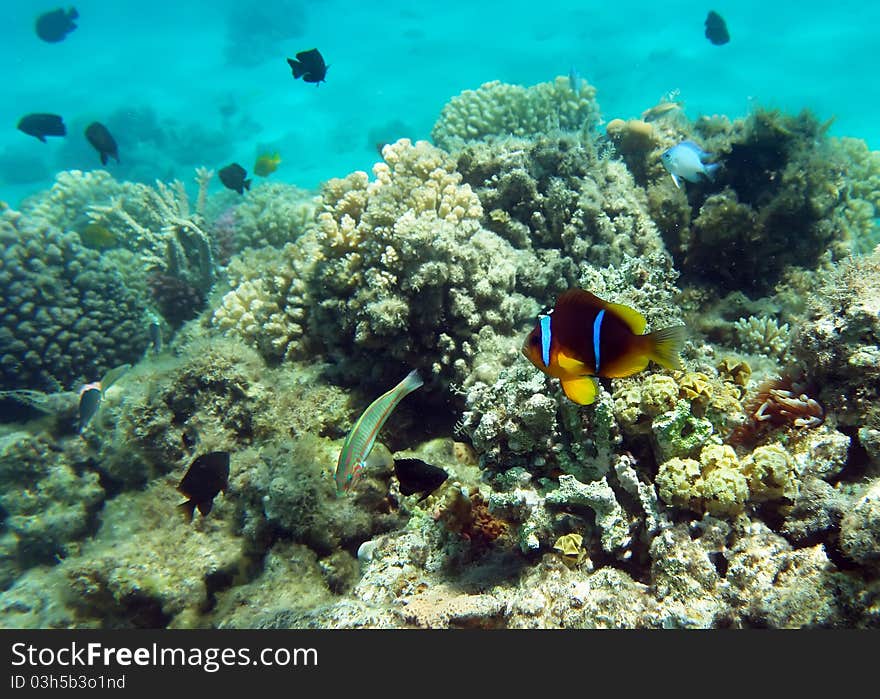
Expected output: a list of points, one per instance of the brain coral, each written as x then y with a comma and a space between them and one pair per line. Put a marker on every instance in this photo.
67, 315
498, 109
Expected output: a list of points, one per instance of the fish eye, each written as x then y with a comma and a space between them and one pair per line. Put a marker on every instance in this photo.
533, 340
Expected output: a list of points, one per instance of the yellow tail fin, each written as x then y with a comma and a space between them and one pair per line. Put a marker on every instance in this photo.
666, 344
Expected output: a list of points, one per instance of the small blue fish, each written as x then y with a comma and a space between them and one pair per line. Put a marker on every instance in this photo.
686, 161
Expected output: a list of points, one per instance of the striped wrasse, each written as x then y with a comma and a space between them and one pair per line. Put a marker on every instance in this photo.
360, 440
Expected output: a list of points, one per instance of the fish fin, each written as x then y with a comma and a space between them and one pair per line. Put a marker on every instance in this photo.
634, 320
711, 170
297, 67
581, 390
72, 13
247, 185
675, 179
570, 365
188, 508
666, 344
103, 158
205, 507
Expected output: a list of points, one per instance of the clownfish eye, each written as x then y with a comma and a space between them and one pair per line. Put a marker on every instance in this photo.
533, 340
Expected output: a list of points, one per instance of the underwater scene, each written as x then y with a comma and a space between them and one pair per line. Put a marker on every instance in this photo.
327, 315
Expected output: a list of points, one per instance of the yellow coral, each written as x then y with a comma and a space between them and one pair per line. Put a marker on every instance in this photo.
570, 548
677, 482
772, 473
720, 484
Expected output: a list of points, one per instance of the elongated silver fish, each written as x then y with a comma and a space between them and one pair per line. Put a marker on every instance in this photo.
362, 436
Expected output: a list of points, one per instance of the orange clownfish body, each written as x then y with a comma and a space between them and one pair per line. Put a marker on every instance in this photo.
584, 337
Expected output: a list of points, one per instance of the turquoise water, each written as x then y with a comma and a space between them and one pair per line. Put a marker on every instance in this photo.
190, 83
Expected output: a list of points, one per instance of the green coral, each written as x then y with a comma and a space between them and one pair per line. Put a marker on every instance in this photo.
784, 196
679, 433
498, 109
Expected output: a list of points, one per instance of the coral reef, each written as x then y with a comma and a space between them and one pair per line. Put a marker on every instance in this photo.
270, 214
741, 491
784, 196
48, 499
67, 315
497, 109
838, 345
403, 264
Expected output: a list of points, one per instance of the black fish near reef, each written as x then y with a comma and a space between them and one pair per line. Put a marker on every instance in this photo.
416, 476
54, 26
207, 475
42, 125
98, 135
233, 177
309, 66
716, 29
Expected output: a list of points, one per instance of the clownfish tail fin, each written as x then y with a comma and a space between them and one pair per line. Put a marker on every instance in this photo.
666, 345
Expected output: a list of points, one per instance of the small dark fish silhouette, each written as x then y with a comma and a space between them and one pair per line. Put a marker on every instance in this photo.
310, 66
207, 475
54, 26
90, 397
98, 135
233, 176
416, 476
42, 125
716, 29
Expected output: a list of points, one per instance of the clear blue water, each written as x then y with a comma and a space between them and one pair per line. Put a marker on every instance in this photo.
190, 83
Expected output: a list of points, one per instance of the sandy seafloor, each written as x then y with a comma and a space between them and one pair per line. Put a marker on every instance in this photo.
738, 490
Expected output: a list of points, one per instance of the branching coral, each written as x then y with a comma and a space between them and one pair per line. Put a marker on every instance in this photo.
403, 264
170, 238
763, 335
271, 214
557, 196
267, 305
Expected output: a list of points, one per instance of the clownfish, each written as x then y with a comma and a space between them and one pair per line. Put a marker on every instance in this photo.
584, 336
